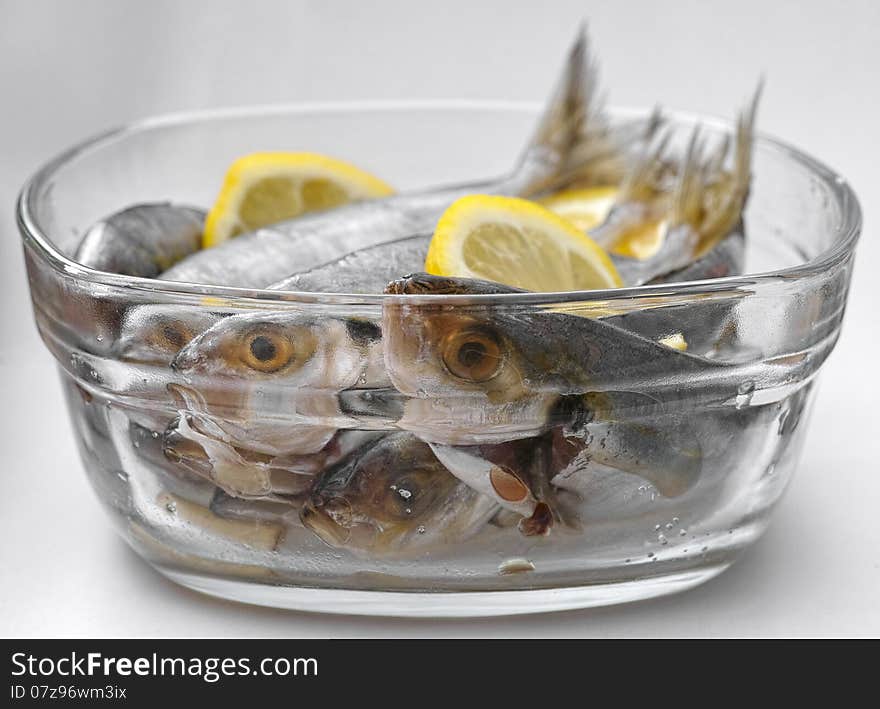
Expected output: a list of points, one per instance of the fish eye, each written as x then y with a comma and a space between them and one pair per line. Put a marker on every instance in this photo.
266, 351
474, 355
170, 335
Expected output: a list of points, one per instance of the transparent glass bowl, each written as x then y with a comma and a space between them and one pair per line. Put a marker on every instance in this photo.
730, 437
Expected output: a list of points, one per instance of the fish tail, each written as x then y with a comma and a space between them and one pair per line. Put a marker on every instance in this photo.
687, 201
573, 139
642, 181
641, 200
724, 211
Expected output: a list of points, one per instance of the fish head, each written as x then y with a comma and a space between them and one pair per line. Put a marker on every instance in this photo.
271, 380
295, 349
380, 498
448, 350
154, 334
478, 373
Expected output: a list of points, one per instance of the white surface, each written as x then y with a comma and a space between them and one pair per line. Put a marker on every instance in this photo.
68, 70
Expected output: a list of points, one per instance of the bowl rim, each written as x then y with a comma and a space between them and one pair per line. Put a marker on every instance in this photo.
845, 237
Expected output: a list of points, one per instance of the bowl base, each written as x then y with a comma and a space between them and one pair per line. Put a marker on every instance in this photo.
443, 604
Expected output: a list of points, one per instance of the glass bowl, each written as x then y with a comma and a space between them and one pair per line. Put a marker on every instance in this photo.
665, 476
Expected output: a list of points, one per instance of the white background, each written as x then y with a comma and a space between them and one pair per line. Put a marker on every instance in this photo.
68, 70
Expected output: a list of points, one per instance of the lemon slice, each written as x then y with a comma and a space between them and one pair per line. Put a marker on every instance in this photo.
519, 243
265, 188
676, 341
587, 208
642, 241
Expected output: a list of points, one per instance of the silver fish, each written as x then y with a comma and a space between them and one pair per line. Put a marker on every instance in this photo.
572, 129
270, 381
143, 240
395, 496
478, 375
370, 269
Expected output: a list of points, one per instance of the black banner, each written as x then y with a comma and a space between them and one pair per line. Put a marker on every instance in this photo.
385, 672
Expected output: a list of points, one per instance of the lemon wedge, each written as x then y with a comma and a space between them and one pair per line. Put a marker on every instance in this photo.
265, 188
676, 341
587, 208
519, 243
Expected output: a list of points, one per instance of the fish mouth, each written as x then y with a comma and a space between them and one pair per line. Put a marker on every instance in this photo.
330, 519
178, 447
334, 521
187, 359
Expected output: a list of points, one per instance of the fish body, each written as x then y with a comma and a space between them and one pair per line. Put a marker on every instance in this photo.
396, 496
726, 258
143, 240
367, 270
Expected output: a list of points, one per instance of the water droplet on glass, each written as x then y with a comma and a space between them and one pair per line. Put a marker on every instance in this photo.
408, 511
154, 434
656, 527
137, 444
675, 520
650, 555
704, 549
405, 494
744, 394
100, 338
662, 539
122, 475
682, 533
421, 529
171, 507
669, 525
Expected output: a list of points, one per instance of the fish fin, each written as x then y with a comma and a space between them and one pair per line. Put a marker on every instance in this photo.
688, 199
708, 199
640, 201
573, 135
641, 182
727, 211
